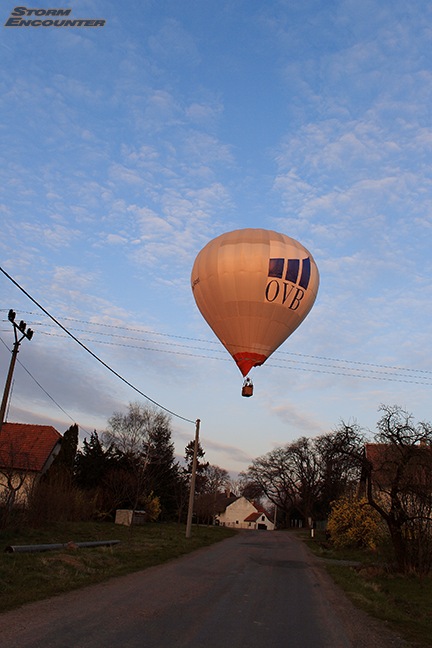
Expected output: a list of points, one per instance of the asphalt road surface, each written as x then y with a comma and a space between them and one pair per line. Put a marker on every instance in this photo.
257, 589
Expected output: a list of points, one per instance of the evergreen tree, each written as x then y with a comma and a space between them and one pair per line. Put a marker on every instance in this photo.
162, 472
54, 497
201, 467
63, 465
69, 445
93, 462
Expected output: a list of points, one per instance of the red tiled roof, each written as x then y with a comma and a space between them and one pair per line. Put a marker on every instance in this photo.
386, 459
27, 447
253, 517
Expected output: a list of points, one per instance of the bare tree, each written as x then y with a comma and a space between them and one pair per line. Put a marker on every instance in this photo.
248, 488
12, 482
302, 477
340, 475
15, 477
137, 437
207, 502
217, 479
275, 474
396, 478
129, 432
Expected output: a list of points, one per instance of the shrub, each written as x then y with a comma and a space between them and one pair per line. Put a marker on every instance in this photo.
354, 523
151, 505
58, 501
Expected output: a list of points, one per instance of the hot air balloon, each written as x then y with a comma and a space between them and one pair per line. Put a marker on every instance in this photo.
254, 287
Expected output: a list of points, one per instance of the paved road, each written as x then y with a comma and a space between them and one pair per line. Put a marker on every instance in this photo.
257, 589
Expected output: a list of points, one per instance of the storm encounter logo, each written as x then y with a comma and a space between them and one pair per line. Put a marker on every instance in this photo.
289, 279
48, 18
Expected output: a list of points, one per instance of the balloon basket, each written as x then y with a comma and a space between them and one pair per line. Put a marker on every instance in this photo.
247, 389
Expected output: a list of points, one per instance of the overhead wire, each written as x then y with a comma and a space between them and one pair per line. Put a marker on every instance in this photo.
314, 363
215, 342
102, 362
43, 389
319, 364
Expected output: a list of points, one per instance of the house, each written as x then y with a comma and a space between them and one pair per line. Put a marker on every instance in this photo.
26, 453
387, 464
240, 513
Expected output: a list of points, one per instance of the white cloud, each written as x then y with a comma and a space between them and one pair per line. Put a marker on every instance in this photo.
115, 239
298, 422
173, 43
204, 114
148, 138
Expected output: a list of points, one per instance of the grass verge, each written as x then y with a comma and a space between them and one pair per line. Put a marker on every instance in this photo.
403, 601
27, 577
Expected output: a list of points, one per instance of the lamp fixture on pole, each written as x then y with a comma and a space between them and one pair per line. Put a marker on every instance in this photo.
20, 332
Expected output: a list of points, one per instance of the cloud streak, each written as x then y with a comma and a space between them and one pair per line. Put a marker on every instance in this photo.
149, 138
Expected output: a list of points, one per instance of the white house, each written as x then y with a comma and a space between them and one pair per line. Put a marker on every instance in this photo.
243, 514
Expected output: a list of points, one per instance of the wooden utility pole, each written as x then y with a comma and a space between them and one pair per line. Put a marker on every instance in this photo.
192, 482
25, 332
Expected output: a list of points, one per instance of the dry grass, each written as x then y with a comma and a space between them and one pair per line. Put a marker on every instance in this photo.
26, 577
403, 601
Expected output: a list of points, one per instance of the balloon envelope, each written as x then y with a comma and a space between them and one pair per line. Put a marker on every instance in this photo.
254, 287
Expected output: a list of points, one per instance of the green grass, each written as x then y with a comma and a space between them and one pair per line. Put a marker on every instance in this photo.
403, 601
26, 577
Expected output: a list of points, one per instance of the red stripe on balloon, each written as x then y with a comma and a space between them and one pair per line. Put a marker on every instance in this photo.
246, 360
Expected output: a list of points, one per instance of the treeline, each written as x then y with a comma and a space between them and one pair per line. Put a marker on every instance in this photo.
325, 478
335, 479
131, 465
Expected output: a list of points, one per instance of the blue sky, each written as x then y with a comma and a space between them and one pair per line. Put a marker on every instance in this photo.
125, 149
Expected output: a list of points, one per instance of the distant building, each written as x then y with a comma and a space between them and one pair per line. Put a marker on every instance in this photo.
243, 514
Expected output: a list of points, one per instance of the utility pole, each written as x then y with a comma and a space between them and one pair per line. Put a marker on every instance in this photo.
19, 329
192, 482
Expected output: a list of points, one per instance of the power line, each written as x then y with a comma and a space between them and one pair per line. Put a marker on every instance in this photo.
43, 389
351, 375
372, 371
215, 342
312, 367
115, 373
382, 372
